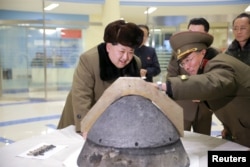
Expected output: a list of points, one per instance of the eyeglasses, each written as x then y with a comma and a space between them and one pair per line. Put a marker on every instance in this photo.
186, 61
240, 29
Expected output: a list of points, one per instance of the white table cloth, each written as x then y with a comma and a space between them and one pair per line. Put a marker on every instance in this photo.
195, 144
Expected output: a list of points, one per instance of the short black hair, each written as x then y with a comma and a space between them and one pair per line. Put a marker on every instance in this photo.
200, 21
242, 15
144, 26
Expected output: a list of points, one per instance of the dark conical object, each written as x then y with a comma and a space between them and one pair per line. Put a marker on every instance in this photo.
133, 132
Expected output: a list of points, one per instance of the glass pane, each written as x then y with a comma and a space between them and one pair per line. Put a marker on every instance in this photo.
15, 67
39, 52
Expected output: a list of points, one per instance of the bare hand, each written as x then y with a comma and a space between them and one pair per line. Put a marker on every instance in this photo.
162, 86
143, 72
84, 135
159, 85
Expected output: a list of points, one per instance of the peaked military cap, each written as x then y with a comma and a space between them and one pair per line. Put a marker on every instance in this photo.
185, 42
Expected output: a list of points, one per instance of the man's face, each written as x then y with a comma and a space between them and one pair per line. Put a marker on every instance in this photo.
192, 62
241, 29
199, 28
119, 55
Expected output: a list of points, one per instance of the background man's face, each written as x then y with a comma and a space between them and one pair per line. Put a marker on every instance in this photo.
199, 28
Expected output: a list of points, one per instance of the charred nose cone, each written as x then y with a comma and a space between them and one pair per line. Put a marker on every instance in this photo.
133, 132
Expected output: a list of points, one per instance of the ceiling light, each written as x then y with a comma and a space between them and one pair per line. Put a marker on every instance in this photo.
47, 31
150, 10
51, 6
158, 30
247, 9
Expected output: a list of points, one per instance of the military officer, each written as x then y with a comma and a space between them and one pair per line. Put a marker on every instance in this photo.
223, 82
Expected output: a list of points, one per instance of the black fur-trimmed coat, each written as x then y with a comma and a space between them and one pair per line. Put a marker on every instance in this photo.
243, 54
92, 76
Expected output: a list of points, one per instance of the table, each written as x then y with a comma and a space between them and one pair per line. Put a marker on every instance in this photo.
195, 144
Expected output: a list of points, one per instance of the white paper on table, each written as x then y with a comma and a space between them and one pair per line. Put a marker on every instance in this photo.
71, 161
46, 155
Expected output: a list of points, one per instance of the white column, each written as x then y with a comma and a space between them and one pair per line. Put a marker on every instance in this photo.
94, 34
111, 11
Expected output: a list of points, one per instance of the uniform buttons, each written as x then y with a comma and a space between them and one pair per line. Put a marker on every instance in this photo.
234, 137
79, 116
184, 77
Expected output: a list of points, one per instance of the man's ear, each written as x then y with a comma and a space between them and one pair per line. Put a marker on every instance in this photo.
203, 52
108, 46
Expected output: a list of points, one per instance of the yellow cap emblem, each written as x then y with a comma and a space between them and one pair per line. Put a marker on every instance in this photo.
178, 51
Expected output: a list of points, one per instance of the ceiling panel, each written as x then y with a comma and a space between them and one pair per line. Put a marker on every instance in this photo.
133, 10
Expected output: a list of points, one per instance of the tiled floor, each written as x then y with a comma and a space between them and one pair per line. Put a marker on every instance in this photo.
24, 118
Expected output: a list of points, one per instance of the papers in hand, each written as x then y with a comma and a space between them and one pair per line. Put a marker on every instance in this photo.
42, 151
